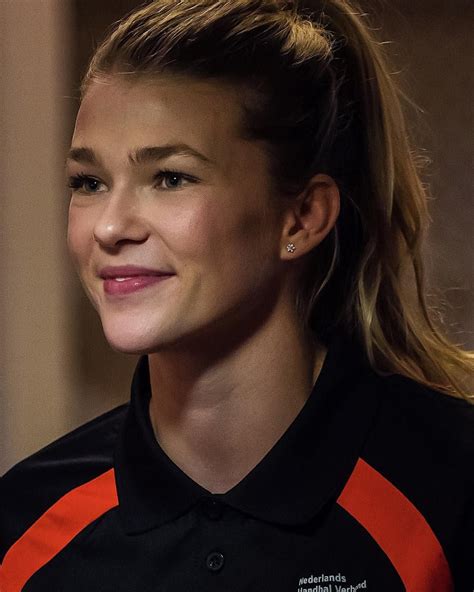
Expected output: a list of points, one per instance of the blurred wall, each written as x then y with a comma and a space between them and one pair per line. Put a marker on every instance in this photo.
36, 391
57, 371
432, 47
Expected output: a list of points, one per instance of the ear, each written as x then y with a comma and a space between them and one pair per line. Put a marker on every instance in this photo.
310, 217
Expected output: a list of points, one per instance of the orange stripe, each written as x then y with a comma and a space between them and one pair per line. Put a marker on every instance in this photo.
399, 529
55, 529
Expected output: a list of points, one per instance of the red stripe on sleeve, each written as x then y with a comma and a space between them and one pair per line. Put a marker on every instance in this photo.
399, 529
55, 529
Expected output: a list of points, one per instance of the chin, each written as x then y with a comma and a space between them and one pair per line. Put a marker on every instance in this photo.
133, 339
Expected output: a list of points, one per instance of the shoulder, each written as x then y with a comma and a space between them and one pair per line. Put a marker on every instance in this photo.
421, 431
33, 485
422, 444
443, 425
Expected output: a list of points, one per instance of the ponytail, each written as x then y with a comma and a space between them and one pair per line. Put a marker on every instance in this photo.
388, 305
323, 100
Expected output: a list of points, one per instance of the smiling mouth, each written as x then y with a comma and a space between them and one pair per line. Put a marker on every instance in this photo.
121, 286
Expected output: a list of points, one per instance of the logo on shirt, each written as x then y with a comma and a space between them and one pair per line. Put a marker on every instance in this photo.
329, 583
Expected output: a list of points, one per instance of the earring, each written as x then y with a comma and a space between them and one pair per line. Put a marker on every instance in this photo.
291, 248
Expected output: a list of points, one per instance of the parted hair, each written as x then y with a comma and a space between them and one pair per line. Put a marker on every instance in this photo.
317, 90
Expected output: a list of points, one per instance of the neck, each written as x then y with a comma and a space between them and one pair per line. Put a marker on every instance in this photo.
216, 417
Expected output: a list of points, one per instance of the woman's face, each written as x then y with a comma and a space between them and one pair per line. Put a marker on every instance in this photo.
162, 183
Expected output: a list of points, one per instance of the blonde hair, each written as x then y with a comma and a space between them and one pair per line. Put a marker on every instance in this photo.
321, 96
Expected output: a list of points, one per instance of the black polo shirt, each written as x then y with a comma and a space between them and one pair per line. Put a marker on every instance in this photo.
370, 488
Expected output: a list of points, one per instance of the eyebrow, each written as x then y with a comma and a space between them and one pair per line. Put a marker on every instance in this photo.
144, 155
82, 155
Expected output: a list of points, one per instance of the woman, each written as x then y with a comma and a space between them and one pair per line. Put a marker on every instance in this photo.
246, 212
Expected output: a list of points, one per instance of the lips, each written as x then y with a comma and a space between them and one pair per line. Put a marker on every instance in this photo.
125, 271
125, 279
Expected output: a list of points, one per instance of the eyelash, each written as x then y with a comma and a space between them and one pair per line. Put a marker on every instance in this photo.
77, 182
167, 173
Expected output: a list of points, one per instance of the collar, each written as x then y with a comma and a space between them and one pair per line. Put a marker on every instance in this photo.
306, 468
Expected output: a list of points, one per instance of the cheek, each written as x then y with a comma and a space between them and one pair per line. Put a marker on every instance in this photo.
218, 236
79, 235
190, 231
248, 229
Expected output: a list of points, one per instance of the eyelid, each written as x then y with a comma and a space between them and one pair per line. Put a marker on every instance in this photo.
164, 173
76, 183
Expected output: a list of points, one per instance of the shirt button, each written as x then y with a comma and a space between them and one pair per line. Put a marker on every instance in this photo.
212, 509
215, 561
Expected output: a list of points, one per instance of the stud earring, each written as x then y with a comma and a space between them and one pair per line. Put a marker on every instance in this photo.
290, 247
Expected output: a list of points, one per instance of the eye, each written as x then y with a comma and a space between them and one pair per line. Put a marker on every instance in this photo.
85, 184
172, 179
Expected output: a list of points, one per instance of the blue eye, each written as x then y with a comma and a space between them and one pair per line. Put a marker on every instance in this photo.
164, 179
84, 183
172, 179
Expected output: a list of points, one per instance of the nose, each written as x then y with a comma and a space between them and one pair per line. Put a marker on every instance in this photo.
120, 221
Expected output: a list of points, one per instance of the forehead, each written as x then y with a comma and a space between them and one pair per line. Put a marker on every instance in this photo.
137, 111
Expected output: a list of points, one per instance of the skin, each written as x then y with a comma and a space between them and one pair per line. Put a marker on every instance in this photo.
230, 367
